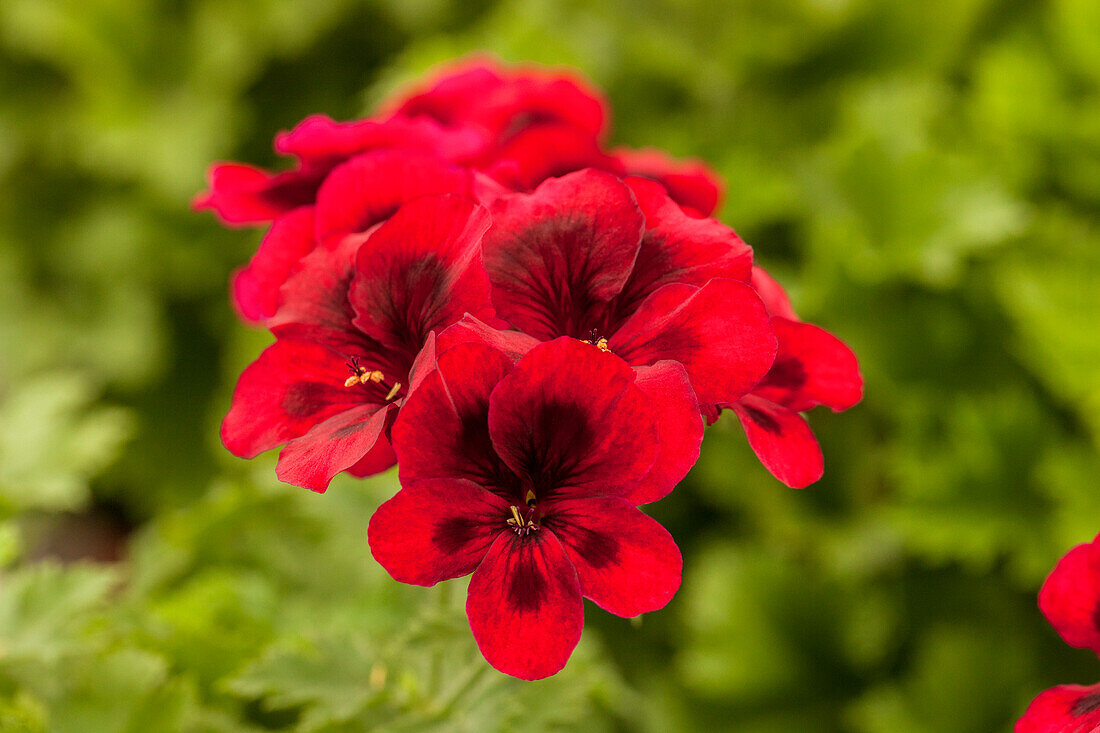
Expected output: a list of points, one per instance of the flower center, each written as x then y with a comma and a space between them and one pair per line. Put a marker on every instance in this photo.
361, 375
598, 341
523, 522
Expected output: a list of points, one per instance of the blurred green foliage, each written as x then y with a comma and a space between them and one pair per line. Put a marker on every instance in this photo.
925, 177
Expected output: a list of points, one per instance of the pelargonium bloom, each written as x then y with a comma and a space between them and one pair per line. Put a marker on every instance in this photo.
356, 195
812, 367
1070, 600
620, 264
526, 475
351, 323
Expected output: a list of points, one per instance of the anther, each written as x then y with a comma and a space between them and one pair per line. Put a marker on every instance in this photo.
530, 498
393, 390
601, 344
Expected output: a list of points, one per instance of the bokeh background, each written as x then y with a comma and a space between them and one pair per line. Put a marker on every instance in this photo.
925, 178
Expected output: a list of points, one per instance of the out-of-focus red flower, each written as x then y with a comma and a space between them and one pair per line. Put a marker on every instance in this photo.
525, 474
619, 263
351, 324
1070, 597
690, 183
1063, 709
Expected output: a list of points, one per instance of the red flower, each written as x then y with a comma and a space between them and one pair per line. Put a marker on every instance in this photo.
812, 367
619, 263
356, 195
1070, 597
351, 324
526, 474
1063, 709
690, 183
242, 194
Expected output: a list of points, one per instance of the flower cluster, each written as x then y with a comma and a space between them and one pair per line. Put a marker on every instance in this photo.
1070, 600
533, 326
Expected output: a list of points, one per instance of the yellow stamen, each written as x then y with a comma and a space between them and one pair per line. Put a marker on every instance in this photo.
352, 380
516, 519
601, 344
393, 391
375, 376
530, 499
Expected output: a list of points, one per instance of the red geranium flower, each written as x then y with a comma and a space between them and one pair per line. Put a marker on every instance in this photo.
1070, 600
242, 194
620, 264
351, 324
526, 474
812, 367
356, 195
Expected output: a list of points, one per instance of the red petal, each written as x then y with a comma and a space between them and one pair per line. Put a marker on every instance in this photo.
513, 343
452, 91
546, 151
1063, 709
677, 248
380, 458
319, 137
812, 367
557, 255
690, 183
720, 333
536, 97
626, 562
436, 530
443, 429
782, 441
570, 419
291, 387
333, 446
524, 605
1070, 597
772, 293
241, 194
421, 271
256, 286
668, 390
370, 187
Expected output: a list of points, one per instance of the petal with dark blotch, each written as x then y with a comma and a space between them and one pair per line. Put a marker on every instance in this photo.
627, 562
256, 286
443, 429
291, 387
513, 343
370, 187
436, 530
570, 419
782, 440
812, 367
719, 332
242, 194
668, 391
556, 256
421, 271
677, 248
524, 605
1063, 709
1070, 596
313, 302
333, 446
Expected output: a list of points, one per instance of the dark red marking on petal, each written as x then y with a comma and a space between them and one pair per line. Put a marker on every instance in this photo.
303, 399
1085, 705
762, 419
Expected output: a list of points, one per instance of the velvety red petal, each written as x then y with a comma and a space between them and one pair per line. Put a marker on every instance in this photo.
570, 420
256, 286
677, 248
546, 151
421, 271
320, 138
291, 387
242, 194
1070, 597
1063, 709
451, 92
443, 428
772, 293
535, 97
690, 183
332, 446
557, 256
626, 562
436, 530
668, 391
720, 332
812, 367
524, 605
313, 302
378, 459
471, 330
370, 187
782, 440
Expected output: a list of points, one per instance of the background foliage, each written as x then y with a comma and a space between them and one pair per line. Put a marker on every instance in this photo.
924, 176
